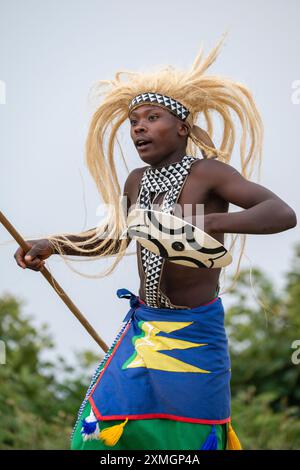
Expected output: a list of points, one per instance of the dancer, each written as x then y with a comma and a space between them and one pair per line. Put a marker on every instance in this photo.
165, 381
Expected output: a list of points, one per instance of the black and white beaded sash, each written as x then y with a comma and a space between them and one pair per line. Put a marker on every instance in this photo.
168, 180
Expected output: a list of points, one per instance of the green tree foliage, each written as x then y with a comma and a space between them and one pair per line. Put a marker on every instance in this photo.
265, 382
40, 397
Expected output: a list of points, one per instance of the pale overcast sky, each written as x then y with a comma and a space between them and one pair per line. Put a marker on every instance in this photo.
51, 52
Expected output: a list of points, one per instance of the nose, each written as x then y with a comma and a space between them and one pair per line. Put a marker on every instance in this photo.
139, 128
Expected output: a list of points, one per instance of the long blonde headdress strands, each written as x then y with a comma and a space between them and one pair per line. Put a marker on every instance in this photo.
203, 96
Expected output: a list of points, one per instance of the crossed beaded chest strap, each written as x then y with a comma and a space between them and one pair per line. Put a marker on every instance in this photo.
169, 180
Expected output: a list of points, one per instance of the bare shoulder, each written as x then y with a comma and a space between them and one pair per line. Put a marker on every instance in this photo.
133, 180
213, 171
229, 184
212, 167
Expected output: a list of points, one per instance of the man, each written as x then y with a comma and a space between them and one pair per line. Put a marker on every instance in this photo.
164, 383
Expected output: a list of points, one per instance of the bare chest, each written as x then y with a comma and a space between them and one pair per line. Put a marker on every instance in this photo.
184, 285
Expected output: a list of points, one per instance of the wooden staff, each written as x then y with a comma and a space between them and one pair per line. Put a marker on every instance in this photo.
47, 275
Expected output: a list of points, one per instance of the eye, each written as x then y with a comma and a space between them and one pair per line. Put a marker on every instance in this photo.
153, 115
132, 121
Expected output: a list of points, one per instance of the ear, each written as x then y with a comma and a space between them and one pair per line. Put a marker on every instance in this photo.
182, 129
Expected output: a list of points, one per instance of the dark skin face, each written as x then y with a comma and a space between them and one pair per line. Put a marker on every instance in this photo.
167, 135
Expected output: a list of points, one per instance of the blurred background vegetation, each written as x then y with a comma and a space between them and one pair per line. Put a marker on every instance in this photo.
39, 398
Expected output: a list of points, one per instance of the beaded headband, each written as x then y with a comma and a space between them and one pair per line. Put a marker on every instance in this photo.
164, 101
180, 111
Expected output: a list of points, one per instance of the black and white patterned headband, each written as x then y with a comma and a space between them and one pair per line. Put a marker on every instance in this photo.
164, 101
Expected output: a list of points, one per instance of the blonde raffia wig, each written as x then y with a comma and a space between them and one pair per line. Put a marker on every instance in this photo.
203, 95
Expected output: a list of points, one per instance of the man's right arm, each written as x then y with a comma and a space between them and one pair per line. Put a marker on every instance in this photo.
68, 250
130, 187
41, 249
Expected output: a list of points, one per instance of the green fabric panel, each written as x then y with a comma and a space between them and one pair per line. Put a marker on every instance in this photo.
152, 434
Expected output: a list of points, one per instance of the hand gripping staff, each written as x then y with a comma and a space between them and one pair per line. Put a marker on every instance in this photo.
48, 276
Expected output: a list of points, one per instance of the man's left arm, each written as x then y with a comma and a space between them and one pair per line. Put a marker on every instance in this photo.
264, 212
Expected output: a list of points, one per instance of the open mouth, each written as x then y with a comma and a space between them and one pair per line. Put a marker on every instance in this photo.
143, 144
